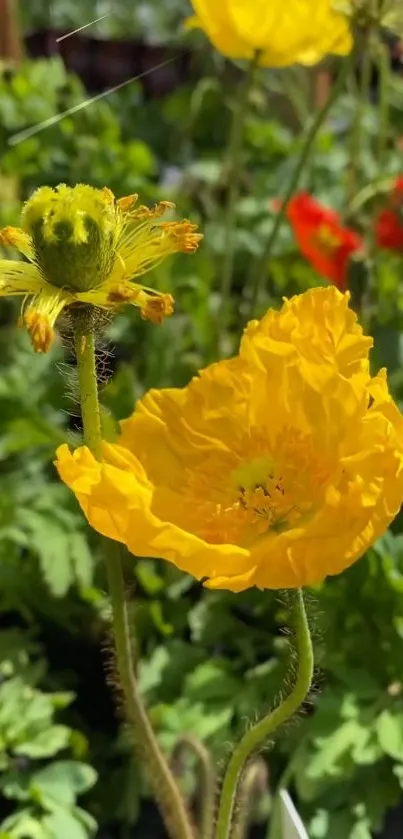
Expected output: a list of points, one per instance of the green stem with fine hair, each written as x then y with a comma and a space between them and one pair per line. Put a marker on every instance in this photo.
260, 269
161, 778
234, 162
258, 735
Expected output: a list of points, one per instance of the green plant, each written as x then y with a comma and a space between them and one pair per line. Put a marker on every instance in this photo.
41, 770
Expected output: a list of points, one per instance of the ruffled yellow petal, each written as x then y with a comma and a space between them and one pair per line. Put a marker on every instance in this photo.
117, 499
319, 330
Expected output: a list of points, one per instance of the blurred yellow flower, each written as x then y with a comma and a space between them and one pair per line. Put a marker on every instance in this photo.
296, 31
272, 469
85, 246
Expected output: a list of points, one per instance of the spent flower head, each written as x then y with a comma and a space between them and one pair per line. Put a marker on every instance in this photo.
82, 245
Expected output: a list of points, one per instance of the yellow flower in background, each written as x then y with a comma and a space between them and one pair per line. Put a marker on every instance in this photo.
85, 246
295, 31
272, 469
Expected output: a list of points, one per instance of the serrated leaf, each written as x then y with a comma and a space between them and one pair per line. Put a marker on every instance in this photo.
81, 559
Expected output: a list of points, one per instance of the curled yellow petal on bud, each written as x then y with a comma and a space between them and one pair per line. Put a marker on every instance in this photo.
157, 308
40, 331
14, 237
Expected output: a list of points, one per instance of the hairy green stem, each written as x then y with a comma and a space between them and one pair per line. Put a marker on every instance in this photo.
84, 343
161, 778
234, 163
258, 735
260, 269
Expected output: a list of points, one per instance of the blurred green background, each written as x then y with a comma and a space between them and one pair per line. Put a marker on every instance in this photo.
209, 661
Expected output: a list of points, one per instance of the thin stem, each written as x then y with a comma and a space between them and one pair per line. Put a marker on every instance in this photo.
234, 173
260, 270
362, 96
162, 781
258, 735
384, 76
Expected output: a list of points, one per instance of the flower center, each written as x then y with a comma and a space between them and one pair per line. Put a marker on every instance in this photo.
326, 240
239, 499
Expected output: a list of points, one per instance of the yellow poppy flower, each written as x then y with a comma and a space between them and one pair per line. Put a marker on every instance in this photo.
85, 246
298, 31
272, 469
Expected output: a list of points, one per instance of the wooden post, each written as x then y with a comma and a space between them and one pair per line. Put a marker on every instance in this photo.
11, 45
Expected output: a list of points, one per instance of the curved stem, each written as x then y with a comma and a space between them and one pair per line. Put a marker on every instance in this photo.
207, 782
259, 733
234, 174
260, 271
161, 778
251, 788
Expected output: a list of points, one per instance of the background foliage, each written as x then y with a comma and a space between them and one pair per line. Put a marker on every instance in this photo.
209, 660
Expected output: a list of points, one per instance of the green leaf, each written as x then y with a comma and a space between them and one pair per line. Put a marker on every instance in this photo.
23, 825
61, 782
390, 733
45, 743
331, 749
63, 824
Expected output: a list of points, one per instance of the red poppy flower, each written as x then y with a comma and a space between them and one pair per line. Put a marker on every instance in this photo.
388, 224
322, 238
